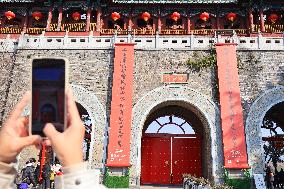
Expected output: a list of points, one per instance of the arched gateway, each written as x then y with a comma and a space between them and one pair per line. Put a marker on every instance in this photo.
198, 112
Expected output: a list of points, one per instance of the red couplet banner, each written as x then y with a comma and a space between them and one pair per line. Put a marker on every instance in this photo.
235, 155
121, 106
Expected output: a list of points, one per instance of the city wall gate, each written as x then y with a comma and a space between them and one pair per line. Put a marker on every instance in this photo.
166, 157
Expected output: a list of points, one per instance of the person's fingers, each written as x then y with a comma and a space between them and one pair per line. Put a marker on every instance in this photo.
20, 106
22, 126
71, 107
50, 131
29, 140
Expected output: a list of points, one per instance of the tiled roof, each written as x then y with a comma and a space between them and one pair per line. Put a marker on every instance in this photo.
176, 1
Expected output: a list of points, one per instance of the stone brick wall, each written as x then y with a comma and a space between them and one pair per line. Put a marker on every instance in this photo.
258, 72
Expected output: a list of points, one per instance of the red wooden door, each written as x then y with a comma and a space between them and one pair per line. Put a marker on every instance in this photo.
156, 160
186, 158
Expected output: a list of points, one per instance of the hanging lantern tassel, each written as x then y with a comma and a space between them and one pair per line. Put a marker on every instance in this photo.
204, 16
175, 16
232, 17
146, 16
37, 15
115, 16
10, 15
273, 18
76, 16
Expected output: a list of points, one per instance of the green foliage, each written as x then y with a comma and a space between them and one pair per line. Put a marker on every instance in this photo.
116, 181
200, 61
238, 183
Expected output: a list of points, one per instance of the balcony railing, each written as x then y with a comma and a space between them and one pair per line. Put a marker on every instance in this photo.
173, 32
35, 30
73, 27
113, 31
10, 30
270, 28
144, 31
93, 26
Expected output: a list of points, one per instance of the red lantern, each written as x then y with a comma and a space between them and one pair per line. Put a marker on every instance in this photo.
204, 16
231, 16
273, 18
175, 16
37, 15
115, 16
10, 15
76, 16
146, 16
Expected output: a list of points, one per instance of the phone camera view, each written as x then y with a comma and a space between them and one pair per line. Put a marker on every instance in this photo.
48, 94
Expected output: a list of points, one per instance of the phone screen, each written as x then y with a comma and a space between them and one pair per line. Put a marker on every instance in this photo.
48, 94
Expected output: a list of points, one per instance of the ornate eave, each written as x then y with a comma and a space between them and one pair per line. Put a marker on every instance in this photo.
177, 1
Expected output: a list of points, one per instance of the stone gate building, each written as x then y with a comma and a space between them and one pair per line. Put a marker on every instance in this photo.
176, 123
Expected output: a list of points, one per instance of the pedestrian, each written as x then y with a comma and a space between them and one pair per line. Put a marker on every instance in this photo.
46, 172
269, 177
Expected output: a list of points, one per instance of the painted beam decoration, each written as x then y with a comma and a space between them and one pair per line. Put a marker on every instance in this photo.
176, 1
121, 106
235, 154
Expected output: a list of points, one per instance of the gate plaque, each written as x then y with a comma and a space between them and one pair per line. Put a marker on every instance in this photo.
174, 78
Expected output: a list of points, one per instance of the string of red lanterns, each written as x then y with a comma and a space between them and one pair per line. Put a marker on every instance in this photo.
175, 16
37, 15
10, 15
76, 16
232, 16
145, 16
115, 16
204, 16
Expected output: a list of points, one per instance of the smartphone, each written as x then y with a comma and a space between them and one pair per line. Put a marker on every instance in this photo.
48, 104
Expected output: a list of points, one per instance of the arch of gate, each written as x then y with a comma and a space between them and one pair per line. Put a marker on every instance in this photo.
253, 126
205, 109
97, 114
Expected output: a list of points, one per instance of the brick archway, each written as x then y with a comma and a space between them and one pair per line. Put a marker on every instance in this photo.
97, 114
253, 126
204, 108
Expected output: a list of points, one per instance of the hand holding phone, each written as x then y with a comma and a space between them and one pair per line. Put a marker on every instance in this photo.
49, 79
68, 145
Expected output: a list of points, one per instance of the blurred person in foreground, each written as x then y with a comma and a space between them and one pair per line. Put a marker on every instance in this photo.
14, 138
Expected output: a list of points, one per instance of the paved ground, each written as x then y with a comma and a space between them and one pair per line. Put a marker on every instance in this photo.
159, 187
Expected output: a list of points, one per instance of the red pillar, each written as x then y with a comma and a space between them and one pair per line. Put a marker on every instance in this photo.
26, 21
88, 19
188, 23
59, 19
159, 24
49, 18
250, 21
262, 28
217, 21
130, 23
99, 13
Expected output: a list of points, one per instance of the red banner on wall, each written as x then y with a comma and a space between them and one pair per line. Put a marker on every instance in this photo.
235, 154
121, 106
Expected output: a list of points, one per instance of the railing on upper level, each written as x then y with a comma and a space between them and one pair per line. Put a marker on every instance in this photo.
93, 26
35, 30
269, 28
10, 30
144, 31
173, 32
